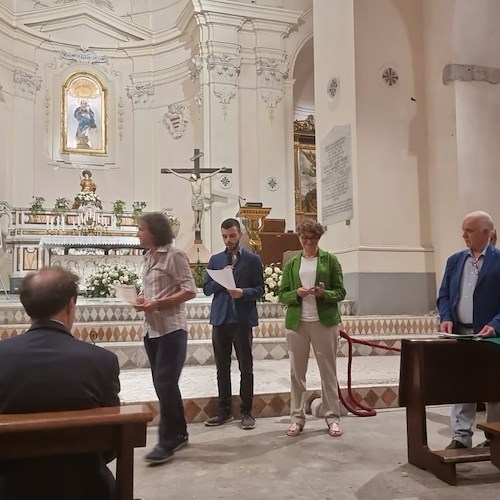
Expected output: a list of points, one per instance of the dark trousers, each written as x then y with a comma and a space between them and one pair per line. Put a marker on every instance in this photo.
166, 356
223, 338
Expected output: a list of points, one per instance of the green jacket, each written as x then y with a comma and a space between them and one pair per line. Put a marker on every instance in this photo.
329, 272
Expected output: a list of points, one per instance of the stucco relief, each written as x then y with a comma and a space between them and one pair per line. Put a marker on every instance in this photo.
121, 120
175, 120
224, 70
195, 73
271, 75
26, 84
82, 55
141, 95
98, 3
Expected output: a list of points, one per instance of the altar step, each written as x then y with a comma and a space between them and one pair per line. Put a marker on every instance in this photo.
374, 380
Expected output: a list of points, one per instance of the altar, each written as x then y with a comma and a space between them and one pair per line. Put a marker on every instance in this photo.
42, 239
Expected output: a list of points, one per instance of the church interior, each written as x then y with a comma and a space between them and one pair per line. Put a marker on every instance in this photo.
377, 118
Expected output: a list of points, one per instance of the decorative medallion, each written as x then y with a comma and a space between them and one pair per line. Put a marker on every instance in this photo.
333, 87
272, 184
175, 120
390, 76
225, 182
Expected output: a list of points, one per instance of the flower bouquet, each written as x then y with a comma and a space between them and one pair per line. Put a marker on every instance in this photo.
272, 283
87, 198
100, 284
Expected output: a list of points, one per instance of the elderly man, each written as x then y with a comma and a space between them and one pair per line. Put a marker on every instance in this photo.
469, 302
47, 369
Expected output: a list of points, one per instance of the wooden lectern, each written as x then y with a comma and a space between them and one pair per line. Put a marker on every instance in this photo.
253, 220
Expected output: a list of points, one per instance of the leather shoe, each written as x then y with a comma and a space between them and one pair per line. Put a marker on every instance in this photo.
455, 445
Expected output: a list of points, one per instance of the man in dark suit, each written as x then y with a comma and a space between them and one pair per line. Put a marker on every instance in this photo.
47, 369
469, 302
233, 314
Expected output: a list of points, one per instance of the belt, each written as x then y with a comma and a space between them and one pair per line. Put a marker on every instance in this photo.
466, 325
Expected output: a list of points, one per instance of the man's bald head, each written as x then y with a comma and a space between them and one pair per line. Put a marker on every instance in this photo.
48, 291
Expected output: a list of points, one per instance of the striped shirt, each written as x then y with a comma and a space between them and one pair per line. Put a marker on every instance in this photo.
164, 273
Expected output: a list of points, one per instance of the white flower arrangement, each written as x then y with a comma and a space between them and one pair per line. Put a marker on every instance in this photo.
272, 283
87, 198
100, 284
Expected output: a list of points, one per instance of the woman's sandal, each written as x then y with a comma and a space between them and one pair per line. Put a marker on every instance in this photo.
294, 430
334, 430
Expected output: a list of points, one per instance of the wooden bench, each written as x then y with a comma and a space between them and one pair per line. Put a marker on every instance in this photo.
119, 429
443, 371
493, 430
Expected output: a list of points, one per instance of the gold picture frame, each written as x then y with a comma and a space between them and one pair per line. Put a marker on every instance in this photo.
84, 115
306, 205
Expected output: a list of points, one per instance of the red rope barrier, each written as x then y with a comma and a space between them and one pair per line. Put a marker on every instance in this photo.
352, 404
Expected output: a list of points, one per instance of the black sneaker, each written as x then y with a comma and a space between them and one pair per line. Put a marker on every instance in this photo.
159, 455
456, 445
219, 419
247, 421
181, 442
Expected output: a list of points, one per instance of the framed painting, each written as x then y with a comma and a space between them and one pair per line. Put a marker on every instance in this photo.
306, 201
84, 115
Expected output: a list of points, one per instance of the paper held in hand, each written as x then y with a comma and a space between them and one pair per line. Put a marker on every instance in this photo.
127, 293
224, 277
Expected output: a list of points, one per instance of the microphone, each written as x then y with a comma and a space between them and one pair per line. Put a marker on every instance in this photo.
229, 256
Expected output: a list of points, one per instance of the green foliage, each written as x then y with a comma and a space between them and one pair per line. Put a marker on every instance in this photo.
36, 204
199, 274
118, 207
61, 206
138, 207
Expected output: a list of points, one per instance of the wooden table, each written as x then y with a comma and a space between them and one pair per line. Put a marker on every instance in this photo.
119, 429
493, 430
443, 371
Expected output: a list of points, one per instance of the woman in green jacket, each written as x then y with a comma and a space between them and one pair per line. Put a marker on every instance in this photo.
311, 287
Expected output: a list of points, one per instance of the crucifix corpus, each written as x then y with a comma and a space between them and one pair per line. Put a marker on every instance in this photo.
196, 181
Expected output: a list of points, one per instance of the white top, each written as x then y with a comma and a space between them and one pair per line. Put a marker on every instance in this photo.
307, 274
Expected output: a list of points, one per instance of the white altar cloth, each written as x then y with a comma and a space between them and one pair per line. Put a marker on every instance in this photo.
51, 241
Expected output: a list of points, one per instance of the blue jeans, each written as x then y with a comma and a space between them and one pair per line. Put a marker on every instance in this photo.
167, 355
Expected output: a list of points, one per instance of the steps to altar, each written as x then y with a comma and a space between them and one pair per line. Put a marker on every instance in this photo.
118, 327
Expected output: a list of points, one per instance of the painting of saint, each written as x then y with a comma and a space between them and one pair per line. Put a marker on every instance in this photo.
84, 112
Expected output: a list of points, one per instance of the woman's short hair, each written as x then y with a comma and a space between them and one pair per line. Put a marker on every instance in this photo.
310, 226
159, 227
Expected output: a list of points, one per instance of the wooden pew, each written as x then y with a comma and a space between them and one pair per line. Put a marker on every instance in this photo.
443, 371
119, 429
493, 430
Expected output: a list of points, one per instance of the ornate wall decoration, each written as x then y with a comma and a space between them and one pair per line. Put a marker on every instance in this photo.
271, 74
390, 76
224, 70
99, 3
225, 182
175, 120
332, 87
272, 183
121, 113
140, 95
26, 84
47, 105
84, 55
195, 73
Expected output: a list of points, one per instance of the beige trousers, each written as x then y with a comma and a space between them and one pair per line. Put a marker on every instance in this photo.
324, 340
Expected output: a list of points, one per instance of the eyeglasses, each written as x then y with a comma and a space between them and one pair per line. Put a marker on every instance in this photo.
475, 266
308, 238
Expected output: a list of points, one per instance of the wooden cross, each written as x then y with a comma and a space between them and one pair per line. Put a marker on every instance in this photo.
197, 202
196, 169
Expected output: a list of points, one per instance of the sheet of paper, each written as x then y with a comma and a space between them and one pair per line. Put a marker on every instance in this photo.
127, 293
224, 277
459, 336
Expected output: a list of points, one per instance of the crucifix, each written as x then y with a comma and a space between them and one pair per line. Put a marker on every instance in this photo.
196, 181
